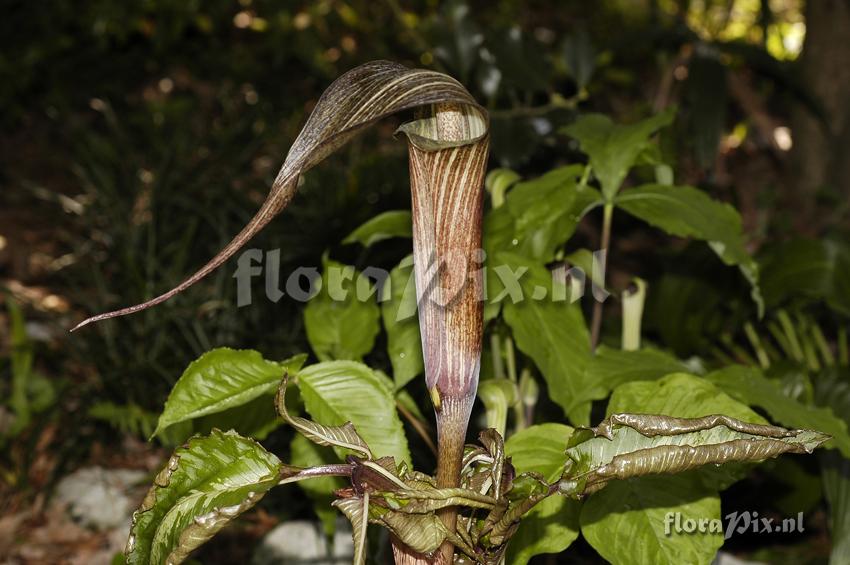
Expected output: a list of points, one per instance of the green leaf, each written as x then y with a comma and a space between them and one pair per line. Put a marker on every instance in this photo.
497, 183
680, 395
337, 392
626, 522
401, 323
749, 385
221, 379
339, 324
613, 148
625, 446
686, 396
552, 525
395, 223
554, 335
255, 419
204, 486
818, 269
609, 368
685, 211
539, 215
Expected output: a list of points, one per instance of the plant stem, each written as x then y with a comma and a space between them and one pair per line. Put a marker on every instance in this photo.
753, 336
596, 323
790, 335
823, 346
418, 425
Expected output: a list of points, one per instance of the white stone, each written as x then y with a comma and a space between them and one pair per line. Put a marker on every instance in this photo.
301, 542
97, 497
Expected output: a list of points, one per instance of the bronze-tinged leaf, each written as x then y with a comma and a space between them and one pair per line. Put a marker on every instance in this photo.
355, 100
633, 445
344, 436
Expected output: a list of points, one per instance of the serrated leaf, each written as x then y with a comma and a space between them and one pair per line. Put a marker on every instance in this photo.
625, 521
204, 486
339, 323
613, 148
625, 446
553, 524
686, 396
395, 223
686, 211
221, 379
398, 311
749, 385
554, 335
336, 392
343, 436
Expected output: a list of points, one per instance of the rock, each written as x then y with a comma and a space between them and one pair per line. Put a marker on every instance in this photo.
301, 542
98, 497
724, 558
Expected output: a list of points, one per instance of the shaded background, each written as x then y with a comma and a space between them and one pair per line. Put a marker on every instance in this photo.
139, 137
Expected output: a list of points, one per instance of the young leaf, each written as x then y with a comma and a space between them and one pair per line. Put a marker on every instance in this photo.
340, 324
221, 379
613, 148
343, 436
204, 486
749, 385
624, 446
395, 223
398, 311
337, 392
357, 512
554, 335
552, 525
685, 211
355, 100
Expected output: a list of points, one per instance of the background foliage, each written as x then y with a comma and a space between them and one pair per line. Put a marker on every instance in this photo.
139, 137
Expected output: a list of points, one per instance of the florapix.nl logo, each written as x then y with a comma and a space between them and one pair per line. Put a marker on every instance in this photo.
568, 282
676, 523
